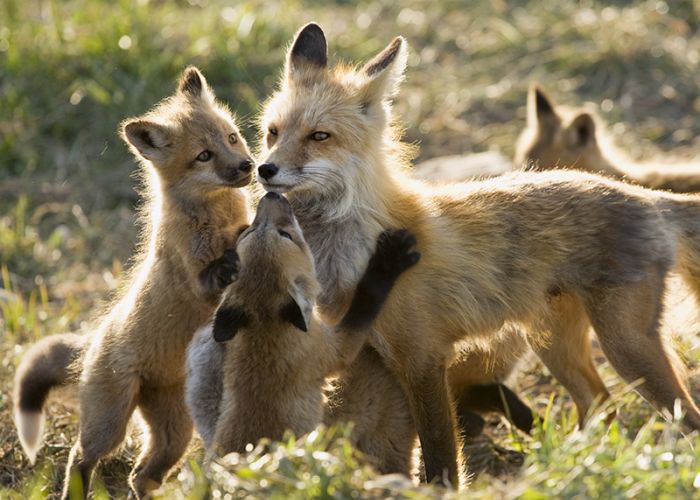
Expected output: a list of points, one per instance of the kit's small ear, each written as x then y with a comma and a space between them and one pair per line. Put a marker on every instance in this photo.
540, 107
292, 313
193, 84
300, 307
228, 319
147, 139
581, 131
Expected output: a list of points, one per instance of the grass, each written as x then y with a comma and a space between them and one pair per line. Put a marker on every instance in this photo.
71, 71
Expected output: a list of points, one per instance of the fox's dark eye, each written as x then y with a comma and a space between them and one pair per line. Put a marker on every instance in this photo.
285, 234
320, 136
204, 156
272, 130
233, 138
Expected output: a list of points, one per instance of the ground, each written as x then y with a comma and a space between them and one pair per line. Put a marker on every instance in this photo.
71, 71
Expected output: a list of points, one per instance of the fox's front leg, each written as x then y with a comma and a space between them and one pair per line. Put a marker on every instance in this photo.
219, 273
395, 253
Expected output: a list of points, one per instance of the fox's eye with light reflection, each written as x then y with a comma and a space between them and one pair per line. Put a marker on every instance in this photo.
320, 136
204, 156
233, 138
272, 130
285, 234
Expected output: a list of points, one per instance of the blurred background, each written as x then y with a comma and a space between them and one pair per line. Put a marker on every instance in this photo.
71, 70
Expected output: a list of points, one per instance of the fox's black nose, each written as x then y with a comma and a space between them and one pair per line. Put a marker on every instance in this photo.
273, 196
267, 170
245, 166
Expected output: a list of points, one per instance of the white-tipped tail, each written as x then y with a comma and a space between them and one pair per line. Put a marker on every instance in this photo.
30, 427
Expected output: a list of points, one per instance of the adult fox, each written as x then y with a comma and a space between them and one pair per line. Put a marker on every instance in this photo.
551, 251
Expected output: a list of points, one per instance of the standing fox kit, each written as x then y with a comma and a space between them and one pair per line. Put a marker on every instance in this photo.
278, 352
552, 251
193, 160
560, 137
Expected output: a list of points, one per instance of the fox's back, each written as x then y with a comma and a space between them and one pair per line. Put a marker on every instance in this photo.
500, 249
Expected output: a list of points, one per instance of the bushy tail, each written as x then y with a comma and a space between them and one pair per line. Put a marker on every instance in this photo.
47, 364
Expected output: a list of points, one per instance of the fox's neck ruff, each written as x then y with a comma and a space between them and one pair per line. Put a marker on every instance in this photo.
342, 233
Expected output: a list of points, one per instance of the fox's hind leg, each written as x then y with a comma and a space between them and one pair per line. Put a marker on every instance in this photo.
106, 404
432, 409
566, 351
626, 319
170, 431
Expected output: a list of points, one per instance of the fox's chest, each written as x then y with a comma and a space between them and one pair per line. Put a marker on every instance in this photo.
341, 252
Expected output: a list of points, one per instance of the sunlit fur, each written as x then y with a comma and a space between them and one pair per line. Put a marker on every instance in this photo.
551, 251
135, 356
564, 137
270, 378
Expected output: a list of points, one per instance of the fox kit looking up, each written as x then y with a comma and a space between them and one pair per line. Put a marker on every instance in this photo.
561, 137
193, 160
551, 251
278, 353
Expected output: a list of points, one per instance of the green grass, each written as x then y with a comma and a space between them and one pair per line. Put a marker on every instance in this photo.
71, 70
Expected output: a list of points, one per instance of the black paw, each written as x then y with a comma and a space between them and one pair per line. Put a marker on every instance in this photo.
396, 252
221, 272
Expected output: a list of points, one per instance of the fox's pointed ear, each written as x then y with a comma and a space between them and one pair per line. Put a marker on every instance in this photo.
147, 139
308, 55
384, 72
292, 313
228, 319
300, 307
581, 131
540, 107
193, 84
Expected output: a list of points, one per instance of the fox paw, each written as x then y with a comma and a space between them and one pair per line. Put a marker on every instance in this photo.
220, 272
396, 252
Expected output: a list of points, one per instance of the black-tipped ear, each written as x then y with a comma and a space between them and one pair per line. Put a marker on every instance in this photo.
292, 313
192, 83
148, 139
309, 50
384, 72
581, 131
540, 107
384, 58
227, 321
543, 103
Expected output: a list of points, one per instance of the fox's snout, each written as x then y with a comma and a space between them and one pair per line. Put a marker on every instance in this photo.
246, 166
268, 170
275, 208
236, 172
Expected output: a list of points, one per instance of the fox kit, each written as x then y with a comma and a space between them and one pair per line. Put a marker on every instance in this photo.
194, 160
278, 353
551, 251
561, 137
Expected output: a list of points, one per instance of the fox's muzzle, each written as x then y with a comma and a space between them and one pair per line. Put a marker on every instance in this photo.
275, 209
237, 174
